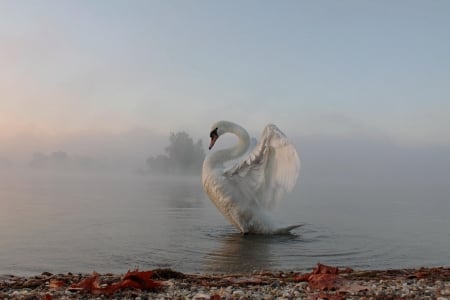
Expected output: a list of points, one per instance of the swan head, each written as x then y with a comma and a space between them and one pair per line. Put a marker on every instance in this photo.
214, 135
218, 129
223, 127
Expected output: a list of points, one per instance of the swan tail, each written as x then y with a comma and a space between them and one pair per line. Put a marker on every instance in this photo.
287, 229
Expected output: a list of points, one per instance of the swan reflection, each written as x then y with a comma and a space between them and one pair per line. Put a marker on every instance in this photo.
184, 194
246, 253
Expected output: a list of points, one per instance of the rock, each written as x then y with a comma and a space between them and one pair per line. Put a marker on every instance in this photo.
201, 296
238, 293
275, 284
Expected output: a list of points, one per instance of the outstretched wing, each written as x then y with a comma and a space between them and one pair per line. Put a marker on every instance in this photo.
270, 170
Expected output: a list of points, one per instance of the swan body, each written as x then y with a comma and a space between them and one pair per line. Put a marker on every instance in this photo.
246, 181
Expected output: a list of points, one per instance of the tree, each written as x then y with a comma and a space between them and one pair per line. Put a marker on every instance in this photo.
159, 164
183, 156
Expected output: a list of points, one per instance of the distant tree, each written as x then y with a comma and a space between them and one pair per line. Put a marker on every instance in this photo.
39, 160
159, 164
59, 156
60, 160
183, 156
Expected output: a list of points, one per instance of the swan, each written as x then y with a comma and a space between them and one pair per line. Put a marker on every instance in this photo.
245, 181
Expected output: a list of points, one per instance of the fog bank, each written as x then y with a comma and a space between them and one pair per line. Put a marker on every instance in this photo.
359, 159
324, 158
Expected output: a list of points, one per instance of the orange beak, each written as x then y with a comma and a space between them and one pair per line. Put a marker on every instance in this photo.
214, 138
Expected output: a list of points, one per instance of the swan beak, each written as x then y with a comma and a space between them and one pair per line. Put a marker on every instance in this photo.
214, 138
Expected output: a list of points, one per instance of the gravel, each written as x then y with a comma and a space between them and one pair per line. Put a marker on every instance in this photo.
424, 283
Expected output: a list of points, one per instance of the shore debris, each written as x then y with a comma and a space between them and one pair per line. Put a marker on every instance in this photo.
323, 282
140, 280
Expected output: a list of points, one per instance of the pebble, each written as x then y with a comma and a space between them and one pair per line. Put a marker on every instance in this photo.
201, 296
277, 287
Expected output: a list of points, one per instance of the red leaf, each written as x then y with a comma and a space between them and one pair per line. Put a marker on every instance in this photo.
302, 277
89, 284
324, 281
132, 279
324, 269
323, 277
140, 280
56, 284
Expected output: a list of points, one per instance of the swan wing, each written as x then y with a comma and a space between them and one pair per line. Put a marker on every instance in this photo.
269, 170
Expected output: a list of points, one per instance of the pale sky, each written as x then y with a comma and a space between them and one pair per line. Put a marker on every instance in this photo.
379, 69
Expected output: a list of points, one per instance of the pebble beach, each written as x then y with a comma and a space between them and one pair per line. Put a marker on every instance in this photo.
321, 283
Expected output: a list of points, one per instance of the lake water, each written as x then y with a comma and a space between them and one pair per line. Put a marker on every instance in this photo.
80, 223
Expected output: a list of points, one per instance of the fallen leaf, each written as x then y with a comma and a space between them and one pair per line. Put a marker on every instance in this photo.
133, 279
323, 278
89, 284
324, 282
302, 277
324, 269
56, 284
140, 280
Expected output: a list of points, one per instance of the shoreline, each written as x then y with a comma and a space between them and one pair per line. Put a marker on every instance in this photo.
324, 282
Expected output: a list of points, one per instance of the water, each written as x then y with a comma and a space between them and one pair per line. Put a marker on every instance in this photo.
80, 223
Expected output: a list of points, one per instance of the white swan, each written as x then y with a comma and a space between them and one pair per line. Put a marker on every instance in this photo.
256, 180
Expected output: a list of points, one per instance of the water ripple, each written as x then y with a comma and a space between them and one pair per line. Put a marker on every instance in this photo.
299, 251
112, 225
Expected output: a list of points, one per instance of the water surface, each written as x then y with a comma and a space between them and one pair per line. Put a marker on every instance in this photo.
111, 223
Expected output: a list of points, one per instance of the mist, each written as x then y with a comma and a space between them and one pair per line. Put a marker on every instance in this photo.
371, 160
349, 159
365, 202
124, 151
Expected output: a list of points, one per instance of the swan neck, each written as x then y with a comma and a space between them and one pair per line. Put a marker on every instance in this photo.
243, 142
238, 150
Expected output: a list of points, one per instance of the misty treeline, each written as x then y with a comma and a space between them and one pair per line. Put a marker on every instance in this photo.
60, 160
181, 157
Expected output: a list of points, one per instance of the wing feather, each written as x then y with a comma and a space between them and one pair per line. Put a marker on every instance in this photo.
270, 170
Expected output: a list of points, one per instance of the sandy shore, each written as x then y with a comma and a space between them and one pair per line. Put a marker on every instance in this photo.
323, 282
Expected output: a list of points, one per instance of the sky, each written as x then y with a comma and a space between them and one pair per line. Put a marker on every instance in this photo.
86, 75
